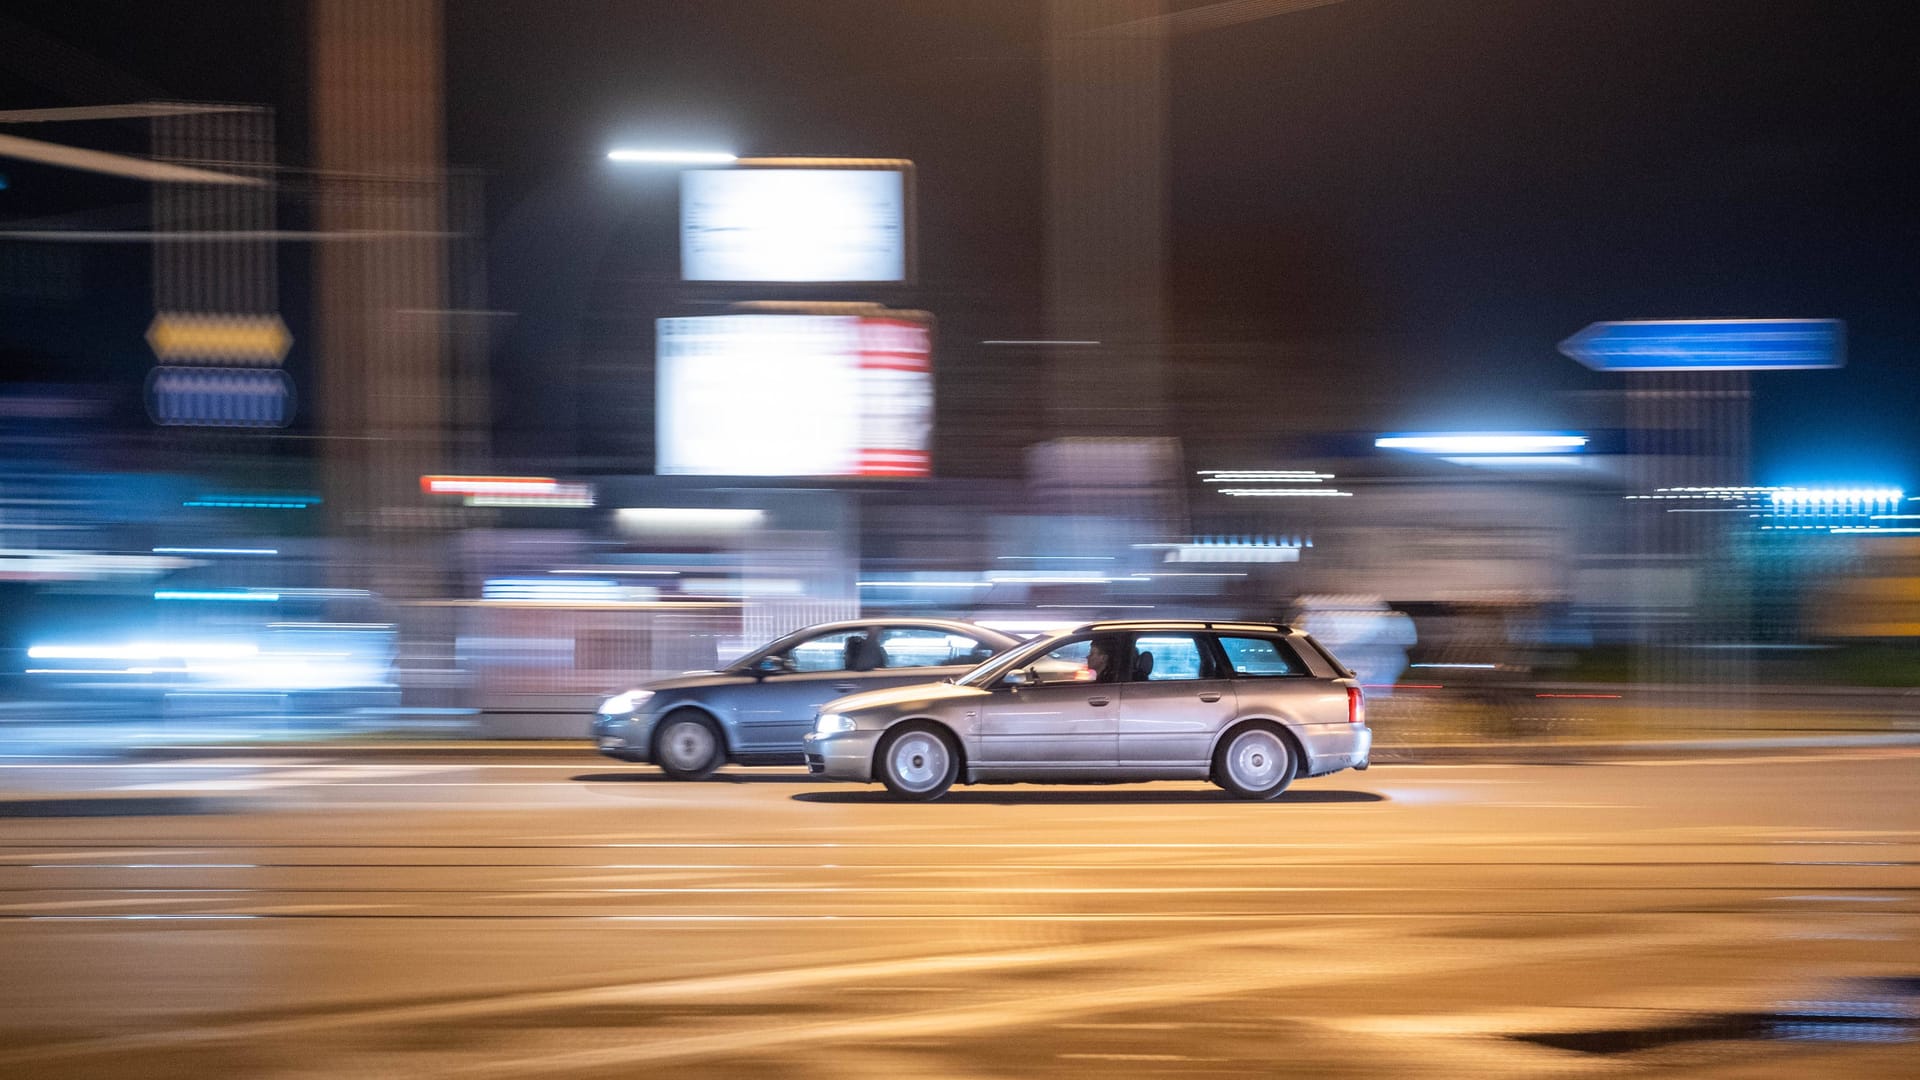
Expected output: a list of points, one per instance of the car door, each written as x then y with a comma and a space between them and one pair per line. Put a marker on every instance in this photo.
1066, 722
774, 713
1178, 698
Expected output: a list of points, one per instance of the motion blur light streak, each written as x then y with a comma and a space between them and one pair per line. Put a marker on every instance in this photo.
551, 589
1054, 558
214, 551
673, 157
216, 595
1263, 476
1524, 461
668, 518
1484, 442
1271, 493
145, 651
488, 485
1815, 496
1062, 578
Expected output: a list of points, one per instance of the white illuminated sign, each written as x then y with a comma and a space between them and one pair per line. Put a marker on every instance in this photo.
794, 395
793, 225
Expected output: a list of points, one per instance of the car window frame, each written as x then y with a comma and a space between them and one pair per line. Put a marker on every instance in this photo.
1211, 653
880, 630
1021, 655
1282, 645
784, 646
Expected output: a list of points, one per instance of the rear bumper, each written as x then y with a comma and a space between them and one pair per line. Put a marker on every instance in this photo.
844, 755
1332, 747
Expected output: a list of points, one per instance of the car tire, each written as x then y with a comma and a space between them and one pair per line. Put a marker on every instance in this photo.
687, 745
1255, 761
917, 762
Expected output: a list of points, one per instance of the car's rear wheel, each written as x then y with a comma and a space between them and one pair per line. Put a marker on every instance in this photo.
1254, 762
917, 762
687, 745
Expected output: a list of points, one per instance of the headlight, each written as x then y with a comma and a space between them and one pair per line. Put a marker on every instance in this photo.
624, 704
832, 723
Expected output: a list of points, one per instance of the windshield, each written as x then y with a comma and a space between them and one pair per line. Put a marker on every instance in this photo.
990, 672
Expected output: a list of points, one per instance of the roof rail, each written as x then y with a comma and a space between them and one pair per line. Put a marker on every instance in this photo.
1187, 624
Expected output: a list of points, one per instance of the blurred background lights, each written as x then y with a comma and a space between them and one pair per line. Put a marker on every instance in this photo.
1484, 442
672, 157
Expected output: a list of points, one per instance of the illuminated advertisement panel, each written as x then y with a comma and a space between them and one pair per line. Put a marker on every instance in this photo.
795, 395
793, 225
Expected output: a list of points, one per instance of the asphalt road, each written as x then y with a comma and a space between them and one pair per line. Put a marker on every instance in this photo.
374, 915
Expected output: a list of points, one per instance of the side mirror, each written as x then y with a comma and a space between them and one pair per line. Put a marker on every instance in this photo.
1018, 678
772, 665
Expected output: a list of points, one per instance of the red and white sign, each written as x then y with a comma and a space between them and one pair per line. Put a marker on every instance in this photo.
795, 395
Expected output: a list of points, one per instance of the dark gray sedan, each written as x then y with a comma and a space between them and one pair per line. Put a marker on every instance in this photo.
756, 710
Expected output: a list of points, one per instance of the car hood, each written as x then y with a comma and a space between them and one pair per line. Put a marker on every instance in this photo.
694, 680
897, 697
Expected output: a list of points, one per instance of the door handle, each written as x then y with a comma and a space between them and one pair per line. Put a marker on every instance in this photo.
1209, 696
846, 687
1096, 701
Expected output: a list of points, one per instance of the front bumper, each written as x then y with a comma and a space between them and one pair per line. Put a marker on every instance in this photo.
623, 738
843, 755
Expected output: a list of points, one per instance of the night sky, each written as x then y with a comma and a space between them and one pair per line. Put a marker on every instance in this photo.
1459, 184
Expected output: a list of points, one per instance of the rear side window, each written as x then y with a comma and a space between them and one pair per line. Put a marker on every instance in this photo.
1343, 669
1250, 656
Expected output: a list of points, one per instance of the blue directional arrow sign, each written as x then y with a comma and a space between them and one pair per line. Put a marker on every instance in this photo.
1710, 345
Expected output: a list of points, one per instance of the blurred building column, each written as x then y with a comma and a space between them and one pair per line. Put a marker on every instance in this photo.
1106, 146
1693, 430
381, 303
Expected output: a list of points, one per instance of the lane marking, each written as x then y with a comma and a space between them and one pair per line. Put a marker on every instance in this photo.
1846, 899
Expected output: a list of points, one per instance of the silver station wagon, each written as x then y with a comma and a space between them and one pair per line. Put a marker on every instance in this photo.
1249, 706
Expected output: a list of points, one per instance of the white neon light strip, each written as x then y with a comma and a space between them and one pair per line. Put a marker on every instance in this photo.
1483, 443
1285, 492
673, 157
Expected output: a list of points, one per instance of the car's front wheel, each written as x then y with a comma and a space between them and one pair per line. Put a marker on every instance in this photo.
917, 761
687, 745
1254, 762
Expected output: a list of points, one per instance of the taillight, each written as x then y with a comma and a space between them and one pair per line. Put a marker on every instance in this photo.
1356, 705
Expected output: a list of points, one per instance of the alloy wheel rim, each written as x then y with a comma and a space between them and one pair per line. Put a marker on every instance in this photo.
1256, 760
919, 762
688, 745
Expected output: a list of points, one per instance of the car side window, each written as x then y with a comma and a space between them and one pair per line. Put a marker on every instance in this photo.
1171, 657
1256, 657
915, 646
839, 651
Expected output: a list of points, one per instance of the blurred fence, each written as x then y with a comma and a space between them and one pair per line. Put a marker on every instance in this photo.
1551, 712
539, 669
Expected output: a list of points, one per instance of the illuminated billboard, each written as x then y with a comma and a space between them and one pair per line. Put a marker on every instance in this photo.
795, 395
794, 224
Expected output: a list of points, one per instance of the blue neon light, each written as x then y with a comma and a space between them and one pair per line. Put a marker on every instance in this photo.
1710, 345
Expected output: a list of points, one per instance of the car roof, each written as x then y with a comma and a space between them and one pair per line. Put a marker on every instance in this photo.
910, 622
1177, 624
